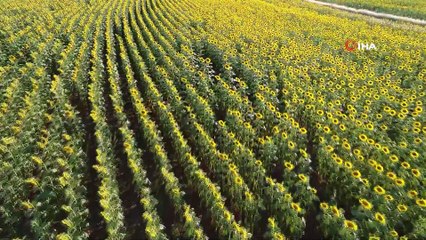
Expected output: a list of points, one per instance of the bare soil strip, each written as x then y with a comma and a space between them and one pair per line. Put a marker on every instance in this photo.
370, 13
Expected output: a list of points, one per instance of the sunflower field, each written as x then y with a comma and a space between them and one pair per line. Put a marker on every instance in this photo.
209, 119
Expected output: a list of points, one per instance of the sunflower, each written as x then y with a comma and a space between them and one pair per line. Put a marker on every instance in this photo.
335, 211
347, 146
386, 150
418, 109
303, 152
37, 160
414, 154
379, 190
391, 175
324, 205
417, 124
400, 182
372, 162
329, 148
403, 144
351, 225
68, 149
356, 174
326, 129
276, 130
338, 161
379, 168
365, 204
281, 188
417, 141
348, 165
402, 208
388, 197
393, 158
415, 172
296, 207
223, 156
363, 137
380, 218
302, 178
228, 216
405, 165
357, 152
239, 181
393, 233
412, 194
401, 116
421, 202
289, 165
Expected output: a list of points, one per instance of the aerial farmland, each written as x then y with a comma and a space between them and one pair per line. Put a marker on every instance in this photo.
212, 119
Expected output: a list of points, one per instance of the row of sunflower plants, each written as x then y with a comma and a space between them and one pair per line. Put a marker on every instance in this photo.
80, 79
112, 211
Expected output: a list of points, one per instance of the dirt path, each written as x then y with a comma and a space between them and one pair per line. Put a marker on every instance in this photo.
370, 13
